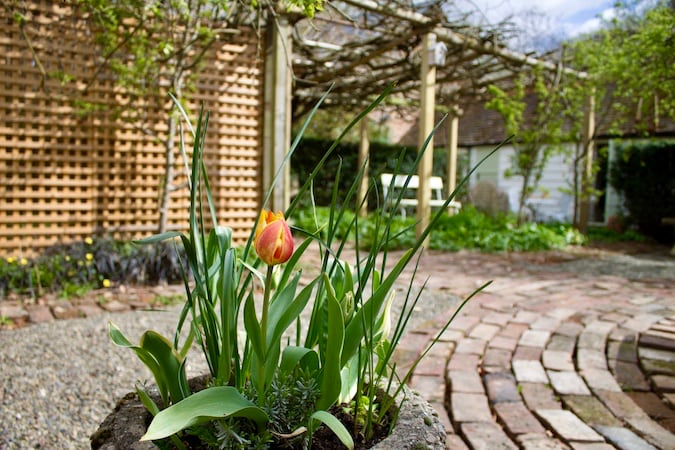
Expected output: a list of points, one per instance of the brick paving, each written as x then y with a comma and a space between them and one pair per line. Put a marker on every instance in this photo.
550, 359
540, 359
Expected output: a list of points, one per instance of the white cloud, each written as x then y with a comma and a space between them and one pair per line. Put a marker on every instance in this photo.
569, 16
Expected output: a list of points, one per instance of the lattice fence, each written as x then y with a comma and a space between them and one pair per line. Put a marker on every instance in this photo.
66, 175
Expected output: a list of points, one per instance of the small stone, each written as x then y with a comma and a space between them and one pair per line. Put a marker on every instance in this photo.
540, 441
463, 362
624, 438
620, 404
568, 383
534, 338
469, 408
591, 359
624, 351
115, 306
501, 387
484, 331
546, 324
592, 341
13, 312
601, 379
664, 383
465, 381
529, 371
430, 388
65, 311
656, 341
557, 360
652, 431
591, 410
568, 426
629, 376
487, 435
561, 342
496, 360
89, 309
660, 355
528, 353
518, 419
39, 313
471, 346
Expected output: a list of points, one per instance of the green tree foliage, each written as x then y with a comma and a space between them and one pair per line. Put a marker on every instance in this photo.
632, 60
534, 110
645, 174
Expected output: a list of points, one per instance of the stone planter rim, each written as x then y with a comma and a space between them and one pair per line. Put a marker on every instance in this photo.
417, 426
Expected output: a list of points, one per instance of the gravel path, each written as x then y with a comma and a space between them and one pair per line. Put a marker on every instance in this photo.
60, 379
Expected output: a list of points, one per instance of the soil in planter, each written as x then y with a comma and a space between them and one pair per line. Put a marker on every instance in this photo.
325, 439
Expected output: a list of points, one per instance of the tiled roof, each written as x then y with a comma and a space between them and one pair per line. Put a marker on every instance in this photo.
481, 126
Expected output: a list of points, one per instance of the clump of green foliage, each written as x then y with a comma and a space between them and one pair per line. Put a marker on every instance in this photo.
469, 229
603, 234
644, 174
76, 268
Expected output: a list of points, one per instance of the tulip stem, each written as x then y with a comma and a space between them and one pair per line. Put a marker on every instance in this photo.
266, 306
263, 335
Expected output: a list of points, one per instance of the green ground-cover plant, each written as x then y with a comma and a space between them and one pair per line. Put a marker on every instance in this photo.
604, 234
74, 269
469, 229
326, 342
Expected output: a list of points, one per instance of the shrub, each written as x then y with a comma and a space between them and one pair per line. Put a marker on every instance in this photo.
469, 229
383, 158
645, 174
73, 269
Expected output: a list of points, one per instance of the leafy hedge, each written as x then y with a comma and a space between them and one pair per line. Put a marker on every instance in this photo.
645, 174
383, 158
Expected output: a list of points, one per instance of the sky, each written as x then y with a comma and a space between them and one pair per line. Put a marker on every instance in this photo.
570, 17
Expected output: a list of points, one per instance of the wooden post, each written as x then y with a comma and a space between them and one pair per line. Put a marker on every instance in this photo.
424, 171
453, 138
277, 117
587, 175
364, 148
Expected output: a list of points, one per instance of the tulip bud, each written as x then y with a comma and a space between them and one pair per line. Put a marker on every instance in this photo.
273, 241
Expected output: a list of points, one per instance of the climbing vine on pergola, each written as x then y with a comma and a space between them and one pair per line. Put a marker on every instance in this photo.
427, 51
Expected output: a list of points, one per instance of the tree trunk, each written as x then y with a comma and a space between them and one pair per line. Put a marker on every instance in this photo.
523, 197
167, 188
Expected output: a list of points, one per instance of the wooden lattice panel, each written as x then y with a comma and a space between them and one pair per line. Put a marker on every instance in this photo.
65, 175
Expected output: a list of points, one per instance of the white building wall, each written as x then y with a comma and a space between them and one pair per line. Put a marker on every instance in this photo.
549, 202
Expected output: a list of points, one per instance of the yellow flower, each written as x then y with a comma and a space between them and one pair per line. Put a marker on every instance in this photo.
67, 258
23, 262
106, 283
88, 241
88, 256
11, 260
273, 241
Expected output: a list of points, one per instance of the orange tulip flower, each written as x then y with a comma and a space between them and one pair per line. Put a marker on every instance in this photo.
273, 241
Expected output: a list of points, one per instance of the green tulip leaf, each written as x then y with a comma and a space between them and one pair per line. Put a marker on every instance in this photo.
302, 357
330, 383
203, 406
336, 427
